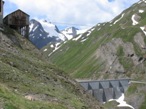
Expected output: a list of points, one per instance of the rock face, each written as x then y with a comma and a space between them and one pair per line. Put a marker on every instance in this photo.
139, 39
108, 53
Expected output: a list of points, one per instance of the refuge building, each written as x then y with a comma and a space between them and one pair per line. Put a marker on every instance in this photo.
19, 21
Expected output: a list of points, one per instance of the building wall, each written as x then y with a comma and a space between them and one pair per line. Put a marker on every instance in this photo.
1, 11
18, 18
19, 21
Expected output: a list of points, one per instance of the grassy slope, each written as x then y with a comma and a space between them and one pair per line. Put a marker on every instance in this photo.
77, 58
23, 71
79, 62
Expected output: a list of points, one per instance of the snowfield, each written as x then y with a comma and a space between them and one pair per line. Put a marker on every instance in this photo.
52, 30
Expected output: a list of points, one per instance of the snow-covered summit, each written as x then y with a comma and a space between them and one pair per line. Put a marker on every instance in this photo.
52, 29
41, 33
71, 32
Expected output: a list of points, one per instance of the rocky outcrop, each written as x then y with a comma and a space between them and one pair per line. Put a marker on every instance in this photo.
108, 53
130, 52
139, 39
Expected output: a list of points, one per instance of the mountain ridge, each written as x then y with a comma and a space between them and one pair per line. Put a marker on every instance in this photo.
114, 49
124, 24
43, 33
39, 35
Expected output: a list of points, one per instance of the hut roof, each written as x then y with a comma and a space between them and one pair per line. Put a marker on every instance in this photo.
16, 11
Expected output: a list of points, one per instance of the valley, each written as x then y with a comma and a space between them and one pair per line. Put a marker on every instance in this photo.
100, 67
109, 50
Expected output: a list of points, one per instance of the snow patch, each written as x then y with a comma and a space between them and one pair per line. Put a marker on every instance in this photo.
143, 29
84, 40
133, 20
45, 50
98, 24
70, 33
31, 27
144, 1
57, 46
90, 31
121, 102
119, 18
82, 31
35, 28
141, 11
75, 39
139, 2
52, 46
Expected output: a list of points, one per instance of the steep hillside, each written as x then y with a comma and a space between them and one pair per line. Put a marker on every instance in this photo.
111, 47
115, 49
27, 81
70, 33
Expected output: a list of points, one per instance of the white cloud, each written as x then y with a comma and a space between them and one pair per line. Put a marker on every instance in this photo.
73, 11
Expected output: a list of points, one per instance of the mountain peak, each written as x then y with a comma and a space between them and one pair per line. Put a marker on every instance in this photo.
71, 32
42, 33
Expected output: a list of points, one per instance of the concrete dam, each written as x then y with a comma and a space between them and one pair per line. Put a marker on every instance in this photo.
105, 90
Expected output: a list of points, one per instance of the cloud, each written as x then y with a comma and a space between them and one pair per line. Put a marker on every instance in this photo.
83, 12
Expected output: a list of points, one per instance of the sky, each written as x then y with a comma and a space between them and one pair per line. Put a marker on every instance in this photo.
78, 13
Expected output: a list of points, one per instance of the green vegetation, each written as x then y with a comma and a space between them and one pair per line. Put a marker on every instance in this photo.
111, 105
126, 62
143, 106
84, 60
24, 72
132, 89
13, 100
120, 52
76, 58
